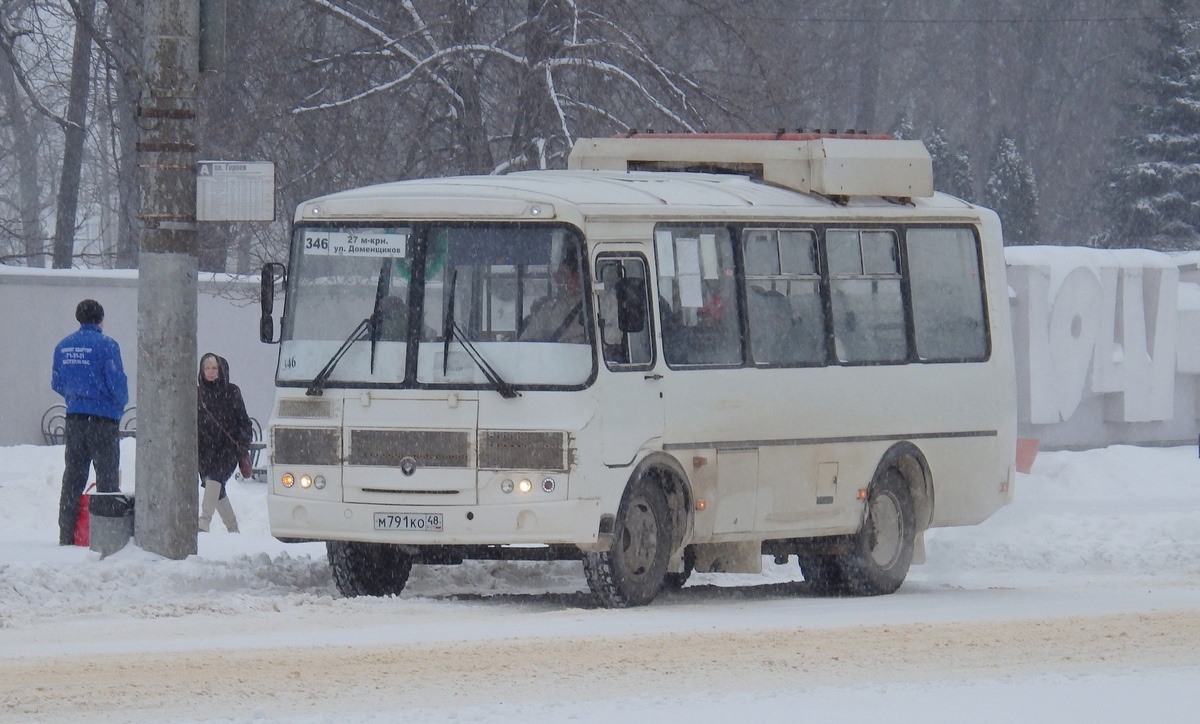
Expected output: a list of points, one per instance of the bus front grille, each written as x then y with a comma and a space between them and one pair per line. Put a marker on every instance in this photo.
306, 446
522, 450
429, 448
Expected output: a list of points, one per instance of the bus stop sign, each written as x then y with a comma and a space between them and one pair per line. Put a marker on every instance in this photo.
235, 191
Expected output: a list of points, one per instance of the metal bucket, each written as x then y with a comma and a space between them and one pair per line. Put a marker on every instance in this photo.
111, 522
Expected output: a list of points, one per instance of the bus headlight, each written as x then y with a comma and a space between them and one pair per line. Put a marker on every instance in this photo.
319, 482
287, 480
506, 486
306, 481
548, 485
525, 485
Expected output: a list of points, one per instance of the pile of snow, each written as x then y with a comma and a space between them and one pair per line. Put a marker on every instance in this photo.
1119, 512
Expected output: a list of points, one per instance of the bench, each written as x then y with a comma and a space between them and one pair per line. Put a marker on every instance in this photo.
54, 424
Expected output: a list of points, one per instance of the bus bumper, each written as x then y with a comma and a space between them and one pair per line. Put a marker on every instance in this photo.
568, 522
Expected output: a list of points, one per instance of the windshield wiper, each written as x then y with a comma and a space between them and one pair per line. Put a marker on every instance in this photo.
362, 331
375, 311
506, 390
451, 330
448, 324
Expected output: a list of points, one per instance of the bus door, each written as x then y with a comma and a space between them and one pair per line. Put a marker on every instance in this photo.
713, 406
630, 398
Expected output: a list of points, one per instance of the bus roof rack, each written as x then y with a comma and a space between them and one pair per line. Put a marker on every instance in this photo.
832, 165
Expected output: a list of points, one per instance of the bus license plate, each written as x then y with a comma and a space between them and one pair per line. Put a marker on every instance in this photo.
408, 521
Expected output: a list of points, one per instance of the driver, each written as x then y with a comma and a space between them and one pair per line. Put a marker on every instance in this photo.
558, 316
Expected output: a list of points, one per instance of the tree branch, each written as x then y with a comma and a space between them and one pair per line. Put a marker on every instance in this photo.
8, 38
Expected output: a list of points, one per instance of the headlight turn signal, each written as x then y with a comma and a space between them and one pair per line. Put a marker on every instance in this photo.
287, 480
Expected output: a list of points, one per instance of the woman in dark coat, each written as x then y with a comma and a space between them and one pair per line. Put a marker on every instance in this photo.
223, 434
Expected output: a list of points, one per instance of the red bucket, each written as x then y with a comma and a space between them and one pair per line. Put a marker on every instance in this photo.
82, 523
1027, 450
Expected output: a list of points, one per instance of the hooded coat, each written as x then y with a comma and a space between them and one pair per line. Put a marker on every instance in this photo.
223, 428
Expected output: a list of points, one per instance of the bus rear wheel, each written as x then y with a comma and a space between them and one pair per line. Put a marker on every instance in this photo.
823, 573
633, 570
878, 556
368, 569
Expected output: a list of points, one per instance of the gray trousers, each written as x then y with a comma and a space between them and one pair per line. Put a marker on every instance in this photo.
91, 440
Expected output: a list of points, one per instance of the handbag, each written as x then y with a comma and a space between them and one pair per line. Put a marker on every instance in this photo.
83, 533
244, 466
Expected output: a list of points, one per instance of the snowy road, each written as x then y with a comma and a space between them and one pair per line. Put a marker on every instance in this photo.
1080, 602
309, 680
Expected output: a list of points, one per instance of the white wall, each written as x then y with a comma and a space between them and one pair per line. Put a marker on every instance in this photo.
37, 309
1107, 342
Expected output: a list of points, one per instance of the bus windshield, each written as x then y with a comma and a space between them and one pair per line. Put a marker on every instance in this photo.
341, 277
517, 299
519, 311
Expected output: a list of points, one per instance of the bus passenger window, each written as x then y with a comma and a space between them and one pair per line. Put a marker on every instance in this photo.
624, 283
947, 295
868, 307
698, 305
783, 298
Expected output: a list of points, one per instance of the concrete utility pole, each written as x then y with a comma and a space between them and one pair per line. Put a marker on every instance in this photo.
166, 505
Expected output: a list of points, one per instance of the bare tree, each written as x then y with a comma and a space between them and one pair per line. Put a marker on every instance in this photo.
522, 81
21, 130
75, 132
31, 35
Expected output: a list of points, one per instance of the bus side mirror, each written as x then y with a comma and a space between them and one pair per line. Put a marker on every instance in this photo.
631, 305
272, 272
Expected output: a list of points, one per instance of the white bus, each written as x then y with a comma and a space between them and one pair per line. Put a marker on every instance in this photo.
682, 353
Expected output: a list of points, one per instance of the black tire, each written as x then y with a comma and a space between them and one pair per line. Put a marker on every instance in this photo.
675, 581
823, 573
633, 570
368, 569
879, 555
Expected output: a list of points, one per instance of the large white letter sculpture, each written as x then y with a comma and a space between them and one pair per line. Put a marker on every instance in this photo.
1112, 314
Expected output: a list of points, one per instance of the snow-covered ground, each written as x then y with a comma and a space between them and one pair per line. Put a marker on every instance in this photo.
1079, 602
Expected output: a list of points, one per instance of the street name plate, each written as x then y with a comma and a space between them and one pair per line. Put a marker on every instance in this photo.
235, 191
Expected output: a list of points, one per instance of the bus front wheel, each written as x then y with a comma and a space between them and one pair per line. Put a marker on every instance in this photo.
877, 558
368, 569
675, 581
632, 571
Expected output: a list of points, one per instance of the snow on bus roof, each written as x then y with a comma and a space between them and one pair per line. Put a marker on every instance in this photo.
591, 193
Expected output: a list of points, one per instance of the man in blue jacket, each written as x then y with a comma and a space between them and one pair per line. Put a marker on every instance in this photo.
89, 374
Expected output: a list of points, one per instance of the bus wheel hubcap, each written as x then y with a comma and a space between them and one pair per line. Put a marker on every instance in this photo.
641, 537
885, 530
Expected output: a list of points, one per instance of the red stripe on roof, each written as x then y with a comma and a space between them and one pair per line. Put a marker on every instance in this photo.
758, 136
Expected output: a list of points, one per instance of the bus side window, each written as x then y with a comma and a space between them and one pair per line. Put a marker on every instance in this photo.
868, 307
698, 301
949, 318
618, 277
783, 297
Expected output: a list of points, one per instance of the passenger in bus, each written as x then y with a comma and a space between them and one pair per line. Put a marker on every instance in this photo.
771, 335
558, 317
